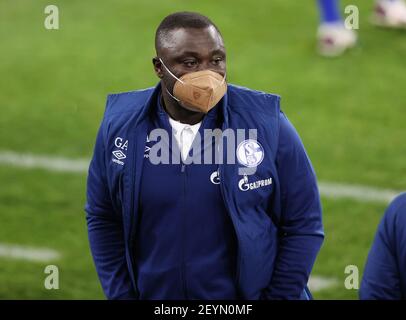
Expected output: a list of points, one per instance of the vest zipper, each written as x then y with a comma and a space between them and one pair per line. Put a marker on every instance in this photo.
131, 236
183, 278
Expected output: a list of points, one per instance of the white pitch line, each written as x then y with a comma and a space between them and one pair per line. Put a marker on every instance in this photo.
357, 192
327, 189
49, 163
11, 251
317, 283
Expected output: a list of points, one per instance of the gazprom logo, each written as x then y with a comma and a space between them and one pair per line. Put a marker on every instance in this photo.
215, 177
245, 185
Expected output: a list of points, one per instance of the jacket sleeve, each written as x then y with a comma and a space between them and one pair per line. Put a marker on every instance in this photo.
300, 226
105, 230
381, 278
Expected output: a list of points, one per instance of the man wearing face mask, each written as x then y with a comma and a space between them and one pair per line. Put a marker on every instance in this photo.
200, 230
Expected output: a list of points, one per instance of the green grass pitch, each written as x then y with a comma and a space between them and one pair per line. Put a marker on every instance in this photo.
350, 113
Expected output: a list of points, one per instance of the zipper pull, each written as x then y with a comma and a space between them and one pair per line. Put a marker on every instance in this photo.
182, 169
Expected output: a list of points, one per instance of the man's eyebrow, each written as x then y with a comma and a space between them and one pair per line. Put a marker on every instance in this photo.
197, 54
188, 53
219, 51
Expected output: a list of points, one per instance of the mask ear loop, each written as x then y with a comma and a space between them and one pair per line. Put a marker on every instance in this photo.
172, 95
170, 71
224, 79
172, 76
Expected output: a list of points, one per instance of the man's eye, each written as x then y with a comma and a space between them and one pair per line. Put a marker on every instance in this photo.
190, 63
217, 60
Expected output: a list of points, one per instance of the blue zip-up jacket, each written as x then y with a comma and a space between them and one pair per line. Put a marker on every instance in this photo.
385, 271
278, 230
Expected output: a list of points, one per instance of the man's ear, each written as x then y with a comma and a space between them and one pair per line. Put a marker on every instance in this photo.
157, 67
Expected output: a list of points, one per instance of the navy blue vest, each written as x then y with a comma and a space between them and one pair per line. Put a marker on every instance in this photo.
183, 250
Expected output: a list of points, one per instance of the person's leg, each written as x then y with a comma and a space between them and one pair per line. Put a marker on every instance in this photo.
333, 38
329, 11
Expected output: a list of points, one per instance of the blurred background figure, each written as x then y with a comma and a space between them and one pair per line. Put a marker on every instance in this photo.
385, 270
334, 38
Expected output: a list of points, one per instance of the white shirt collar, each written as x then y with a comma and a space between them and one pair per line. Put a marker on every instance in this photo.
177, 126
184, 140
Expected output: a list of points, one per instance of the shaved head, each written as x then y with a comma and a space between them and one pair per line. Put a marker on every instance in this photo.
179, 20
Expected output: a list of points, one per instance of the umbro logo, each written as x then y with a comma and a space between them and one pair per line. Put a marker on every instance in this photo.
119, 154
